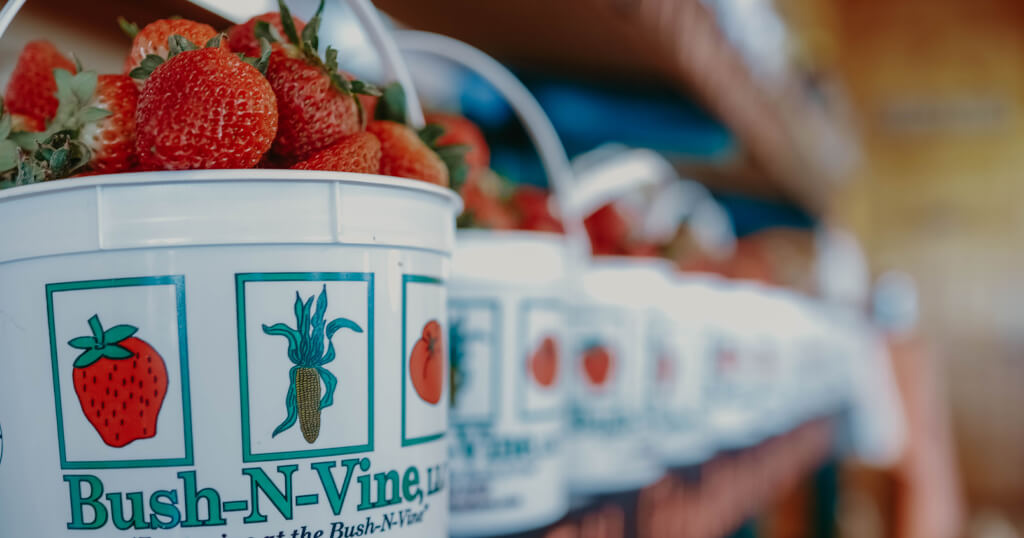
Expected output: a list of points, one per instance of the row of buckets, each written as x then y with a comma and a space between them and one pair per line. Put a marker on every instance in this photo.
322, 354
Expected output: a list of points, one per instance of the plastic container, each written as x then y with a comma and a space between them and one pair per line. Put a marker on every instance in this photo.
254, 351
507, 314
613, 373
506, 309
204, 265
733, 388
681, 434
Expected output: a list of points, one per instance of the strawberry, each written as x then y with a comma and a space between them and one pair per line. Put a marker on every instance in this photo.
112, 138
405, 157
405, 154
21, 123
317, 105
359, 152
152, 40
461, 131
242, 37
120, 381
608, 231
205, 108
30, 90
484, 202
534, 205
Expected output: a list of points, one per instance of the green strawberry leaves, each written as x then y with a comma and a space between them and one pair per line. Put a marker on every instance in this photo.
307, 44
129, 28
176, 44
102, 344
391, 107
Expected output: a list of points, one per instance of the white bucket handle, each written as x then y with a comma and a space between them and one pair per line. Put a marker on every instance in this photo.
532, 116
394, 65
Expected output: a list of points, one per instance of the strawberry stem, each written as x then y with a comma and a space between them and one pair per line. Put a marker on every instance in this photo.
97, 331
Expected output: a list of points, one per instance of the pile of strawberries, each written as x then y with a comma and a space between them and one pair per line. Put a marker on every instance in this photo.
492, 201
259, 95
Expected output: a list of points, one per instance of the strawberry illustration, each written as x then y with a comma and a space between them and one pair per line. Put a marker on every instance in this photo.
426, 364
120, 381
359, 152
597, 365
30, 90
154, 40
306, 351
544, 363
665, 370
204, 108
317, 105
405, 154
242, 37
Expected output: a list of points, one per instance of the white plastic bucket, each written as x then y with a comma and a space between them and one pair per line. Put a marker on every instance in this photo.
733, 389
680, 430
506, 304
507, 313
207, 266
612, 375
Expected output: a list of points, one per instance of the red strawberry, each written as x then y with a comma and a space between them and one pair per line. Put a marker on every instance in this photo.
404, 154
484, 207
242, 37
461, 131
597, 364
544, 363
152, 39
313, 113
205, 108
31, 88
608, 231
112, 139
534, 208
120, 381
317, 104
358, 152
21, 123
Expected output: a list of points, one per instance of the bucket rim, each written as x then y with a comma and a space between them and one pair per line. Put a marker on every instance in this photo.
268, 175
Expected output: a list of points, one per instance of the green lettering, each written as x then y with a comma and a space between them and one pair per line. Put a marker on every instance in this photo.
79, 502
282, 500
411, 482
383, 479
192, 498
138, 515
168, 509
336, 497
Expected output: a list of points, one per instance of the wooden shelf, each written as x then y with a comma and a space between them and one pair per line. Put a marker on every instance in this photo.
795, 146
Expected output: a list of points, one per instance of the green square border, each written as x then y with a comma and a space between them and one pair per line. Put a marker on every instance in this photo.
494, 306
526, 306
240, 280
178, 281
406, 280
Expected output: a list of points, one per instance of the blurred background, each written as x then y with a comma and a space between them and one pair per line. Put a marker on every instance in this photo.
895, 126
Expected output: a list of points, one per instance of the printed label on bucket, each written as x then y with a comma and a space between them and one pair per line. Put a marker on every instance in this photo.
507, 413
135, 440
610, 400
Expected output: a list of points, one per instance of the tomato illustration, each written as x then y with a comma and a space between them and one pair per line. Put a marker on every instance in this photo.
544, 362
597, 364
426, 364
